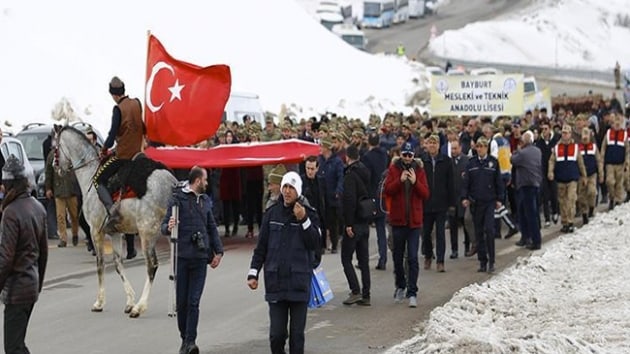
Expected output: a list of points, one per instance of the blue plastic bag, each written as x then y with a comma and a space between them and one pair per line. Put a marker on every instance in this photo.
321, 293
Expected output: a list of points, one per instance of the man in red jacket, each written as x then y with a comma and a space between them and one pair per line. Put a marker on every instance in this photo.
406, 185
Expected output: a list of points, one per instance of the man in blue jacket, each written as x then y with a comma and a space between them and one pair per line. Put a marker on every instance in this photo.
198, 244
287, 241
331, 170
483, 190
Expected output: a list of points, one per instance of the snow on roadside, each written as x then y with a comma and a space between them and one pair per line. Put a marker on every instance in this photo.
593, 37
571, 297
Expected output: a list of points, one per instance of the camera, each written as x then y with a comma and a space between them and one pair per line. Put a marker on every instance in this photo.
197, 240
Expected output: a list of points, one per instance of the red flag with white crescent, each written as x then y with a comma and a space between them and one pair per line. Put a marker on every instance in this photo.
184, 103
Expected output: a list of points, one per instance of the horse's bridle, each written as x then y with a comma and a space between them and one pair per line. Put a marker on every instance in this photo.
82, 162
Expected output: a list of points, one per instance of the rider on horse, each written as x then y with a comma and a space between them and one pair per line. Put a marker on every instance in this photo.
127, 131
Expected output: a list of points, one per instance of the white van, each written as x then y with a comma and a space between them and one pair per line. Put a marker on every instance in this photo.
530, 84
351, 35
241, 104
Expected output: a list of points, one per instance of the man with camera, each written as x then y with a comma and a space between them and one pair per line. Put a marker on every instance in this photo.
406, 185
198, 245
289, 235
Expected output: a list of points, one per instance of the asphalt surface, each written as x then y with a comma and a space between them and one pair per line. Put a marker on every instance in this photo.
415, 33
234, 319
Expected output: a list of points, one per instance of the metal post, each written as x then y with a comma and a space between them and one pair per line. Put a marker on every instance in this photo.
172, 311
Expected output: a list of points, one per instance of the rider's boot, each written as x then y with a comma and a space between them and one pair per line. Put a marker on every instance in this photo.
113, 215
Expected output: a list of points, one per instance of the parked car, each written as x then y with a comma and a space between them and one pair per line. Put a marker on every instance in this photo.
32, 138
351, 34
12, 146
486, 71
530, 84
435, 70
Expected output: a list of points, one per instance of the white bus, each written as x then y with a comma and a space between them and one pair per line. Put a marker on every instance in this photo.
416, 8
378, 13
401, 11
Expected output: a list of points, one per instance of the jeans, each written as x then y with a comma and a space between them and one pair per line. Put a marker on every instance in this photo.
454, 222
254, 193
279, 313
381, 239
483, 218
549, 197
439, 219
528, 208
332, 224
191, 278
16, 317
51, 218
409, 238
359, 244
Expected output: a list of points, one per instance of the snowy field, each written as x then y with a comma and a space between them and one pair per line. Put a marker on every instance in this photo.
67, 48
571, 297
580, 34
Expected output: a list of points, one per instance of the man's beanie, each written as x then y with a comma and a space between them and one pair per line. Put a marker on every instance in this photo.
116, 86
13, 169
275, 175
293, 179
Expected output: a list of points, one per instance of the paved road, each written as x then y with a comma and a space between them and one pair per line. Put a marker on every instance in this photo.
233, 318
415, 33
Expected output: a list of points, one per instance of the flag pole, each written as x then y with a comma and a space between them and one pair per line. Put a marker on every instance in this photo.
144, 111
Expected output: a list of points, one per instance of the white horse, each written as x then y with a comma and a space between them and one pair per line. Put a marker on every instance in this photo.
142, 216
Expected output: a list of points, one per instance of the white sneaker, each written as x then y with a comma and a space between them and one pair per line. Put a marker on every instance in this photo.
413, 302
399, 295
547, 224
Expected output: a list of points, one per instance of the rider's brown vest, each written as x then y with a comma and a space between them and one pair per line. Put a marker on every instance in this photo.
130, 133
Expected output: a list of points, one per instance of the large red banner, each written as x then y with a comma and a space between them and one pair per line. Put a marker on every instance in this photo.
235, 155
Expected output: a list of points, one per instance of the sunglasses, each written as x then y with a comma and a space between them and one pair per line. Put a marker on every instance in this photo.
407, 154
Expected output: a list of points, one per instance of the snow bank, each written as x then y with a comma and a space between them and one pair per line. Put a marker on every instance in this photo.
572, 297
581, 34
65, 48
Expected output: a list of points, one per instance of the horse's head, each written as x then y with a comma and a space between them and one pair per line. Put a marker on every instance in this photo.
73, 150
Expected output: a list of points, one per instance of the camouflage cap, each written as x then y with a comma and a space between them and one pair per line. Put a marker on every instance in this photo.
326, 142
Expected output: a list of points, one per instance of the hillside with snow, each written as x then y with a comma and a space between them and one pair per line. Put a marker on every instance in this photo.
71, 49
579, 34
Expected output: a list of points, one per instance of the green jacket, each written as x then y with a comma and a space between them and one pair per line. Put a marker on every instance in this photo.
62, 186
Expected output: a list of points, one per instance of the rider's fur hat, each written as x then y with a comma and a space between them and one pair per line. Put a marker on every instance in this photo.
116, 86
13, 169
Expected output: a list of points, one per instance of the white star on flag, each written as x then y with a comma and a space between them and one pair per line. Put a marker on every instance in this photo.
176, 91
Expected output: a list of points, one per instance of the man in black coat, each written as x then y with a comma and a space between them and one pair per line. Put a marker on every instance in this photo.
549, 189
356, 231
314, 190
455, 220
439, 170
375, 159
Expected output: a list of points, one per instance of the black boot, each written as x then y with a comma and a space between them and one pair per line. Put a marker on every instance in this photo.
113, 217
611, 204
584, 219
571, 228
590, 212
131, 249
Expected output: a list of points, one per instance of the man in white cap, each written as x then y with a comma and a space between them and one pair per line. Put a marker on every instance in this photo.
289, 235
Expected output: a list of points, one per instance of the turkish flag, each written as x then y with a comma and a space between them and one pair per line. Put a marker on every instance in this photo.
235, 155
184, 102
